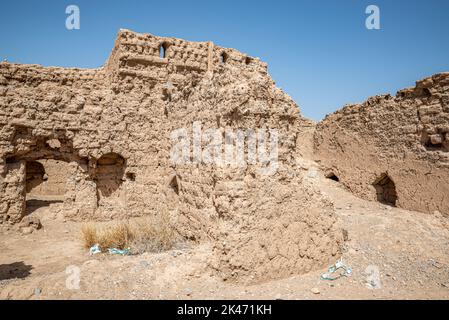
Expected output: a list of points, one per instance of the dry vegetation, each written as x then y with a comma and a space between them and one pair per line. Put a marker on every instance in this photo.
146, 234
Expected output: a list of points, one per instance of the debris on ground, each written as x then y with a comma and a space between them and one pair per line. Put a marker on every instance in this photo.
332, 274
315, 291
94, 249
30, 221
123, 252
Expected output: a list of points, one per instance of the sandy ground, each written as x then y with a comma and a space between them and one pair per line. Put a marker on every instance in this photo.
410, 251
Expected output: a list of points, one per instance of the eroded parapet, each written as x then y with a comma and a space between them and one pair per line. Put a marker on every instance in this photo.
402, 139
159, 59
91, 113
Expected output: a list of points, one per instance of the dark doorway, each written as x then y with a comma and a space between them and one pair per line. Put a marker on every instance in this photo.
110, 174
42, 188
386, 190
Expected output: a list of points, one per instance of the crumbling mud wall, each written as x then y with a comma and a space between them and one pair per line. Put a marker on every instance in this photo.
268, 224
393, 149
114, 126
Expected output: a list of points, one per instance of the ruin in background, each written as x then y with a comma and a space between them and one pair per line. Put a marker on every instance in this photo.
394, 150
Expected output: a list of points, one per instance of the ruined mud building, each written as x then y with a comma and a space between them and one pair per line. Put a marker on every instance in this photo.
106, 132
98, 141
392, 149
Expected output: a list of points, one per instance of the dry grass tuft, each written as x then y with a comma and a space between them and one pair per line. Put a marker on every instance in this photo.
146, 234
89, 234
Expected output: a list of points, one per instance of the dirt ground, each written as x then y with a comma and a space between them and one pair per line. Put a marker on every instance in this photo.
409, 249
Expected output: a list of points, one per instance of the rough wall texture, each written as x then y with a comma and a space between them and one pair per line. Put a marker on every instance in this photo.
113, 126
47, 178
393, 149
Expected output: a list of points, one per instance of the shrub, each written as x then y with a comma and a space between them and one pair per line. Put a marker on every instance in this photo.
146, 234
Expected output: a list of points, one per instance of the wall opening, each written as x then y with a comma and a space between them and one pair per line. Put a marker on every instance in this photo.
385, 190
47, 170
426, 92
109, 176
131, 176
223, 57
332, 176
174, 185
163, 50
435, 142
45, 183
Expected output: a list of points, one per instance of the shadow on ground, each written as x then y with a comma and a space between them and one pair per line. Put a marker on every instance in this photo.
14, 270
33, 205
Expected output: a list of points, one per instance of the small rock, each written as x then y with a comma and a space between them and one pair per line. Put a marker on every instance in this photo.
345, 235
37, 291
312, 173
188, 292
31, 221
315, 291
90, 263
27, 230
145, 264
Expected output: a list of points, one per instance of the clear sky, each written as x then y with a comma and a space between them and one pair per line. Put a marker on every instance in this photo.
319, 52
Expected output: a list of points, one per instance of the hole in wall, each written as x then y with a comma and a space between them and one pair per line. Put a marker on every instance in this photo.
163, 50
224, 57
174, 184
248, 60
10, 160
131, 176
45, 183
385, 190
332, 176
435, 142
426, 92
109, 174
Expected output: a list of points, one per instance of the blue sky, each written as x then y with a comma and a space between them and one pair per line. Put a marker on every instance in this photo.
319, 52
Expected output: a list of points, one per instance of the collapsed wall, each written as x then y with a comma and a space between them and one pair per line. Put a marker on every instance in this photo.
392, 149
114, 127
268, 224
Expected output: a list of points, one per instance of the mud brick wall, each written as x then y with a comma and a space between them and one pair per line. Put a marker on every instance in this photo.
112, 127
404, 138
